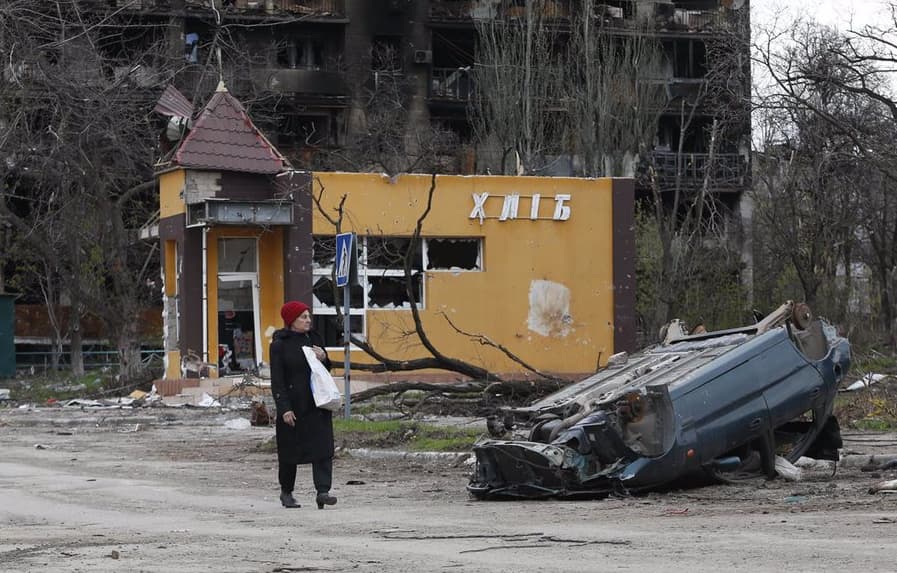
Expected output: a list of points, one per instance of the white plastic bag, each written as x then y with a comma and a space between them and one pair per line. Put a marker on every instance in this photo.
323, 388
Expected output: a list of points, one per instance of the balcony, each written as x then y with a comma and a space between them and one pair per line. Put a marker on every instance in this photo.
728, 170
663, 16
468, 10
451, 84
300, 81
324, 9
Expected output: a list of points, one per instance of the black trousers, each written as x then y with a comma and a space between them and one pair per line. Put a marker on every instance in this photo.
321, 474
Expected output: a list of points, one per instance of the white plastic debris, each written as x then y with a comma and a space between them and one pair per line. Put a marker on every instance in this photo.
865, 382
4, 393
787, 470
84, 402
811, 464
237, 424
207, 401
889, 486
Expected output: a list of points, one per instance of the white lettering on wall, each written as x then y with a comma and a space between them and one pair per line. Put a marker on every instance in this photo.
510, 207
479, 206
561, 211
534, 206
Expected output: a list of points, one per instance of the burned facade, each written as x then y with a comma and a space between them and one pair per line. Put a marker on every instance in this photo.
312, 71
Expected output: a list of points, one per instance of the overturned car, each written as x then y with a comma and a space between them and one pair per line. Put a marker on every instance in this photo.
724, 403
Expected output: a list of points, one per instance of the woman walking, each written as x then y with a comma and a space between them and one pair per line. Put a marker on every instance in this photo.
304, 431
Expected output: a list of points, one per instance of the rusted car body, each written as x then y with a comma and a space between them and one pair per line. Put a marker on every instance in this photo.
725, 403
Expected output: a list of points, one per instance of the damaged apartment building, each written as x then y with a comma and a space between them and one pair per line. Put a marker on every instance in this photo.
397, 86
313, 72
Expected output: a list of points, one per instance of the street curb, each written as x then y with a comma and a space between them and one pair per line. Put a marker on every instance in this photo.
372, 454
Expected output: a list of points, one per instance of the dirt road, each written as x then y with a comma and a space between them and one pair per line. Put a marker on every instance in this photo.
83, 491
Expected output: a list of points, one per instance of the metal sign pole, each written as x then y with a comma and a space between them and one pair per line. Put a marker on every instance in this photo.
345, 267
346, 373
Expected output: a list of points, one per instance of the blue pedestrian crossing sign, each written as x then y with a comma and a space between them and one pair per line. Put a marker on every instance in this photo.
344, 259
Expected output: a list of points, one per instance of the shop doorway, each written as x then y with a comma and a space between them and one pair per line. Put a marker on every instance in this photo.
239, 344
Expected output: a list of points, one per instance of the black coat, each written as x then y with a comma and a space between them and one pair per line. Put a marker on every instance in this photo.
311, 438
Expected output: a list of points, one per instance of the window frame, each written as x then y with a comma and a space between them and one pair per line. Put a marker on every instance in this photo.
425, 251
365, 273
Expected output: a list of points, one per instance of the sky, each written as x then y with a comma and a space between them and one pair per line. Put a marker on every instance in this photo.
837, 13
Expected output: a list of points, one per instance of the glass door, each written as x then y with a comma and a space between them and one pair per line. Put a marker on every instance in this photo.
239, 344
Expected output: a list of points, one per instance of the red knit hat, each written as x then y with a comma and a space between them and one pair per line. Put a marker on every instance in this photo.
291, 311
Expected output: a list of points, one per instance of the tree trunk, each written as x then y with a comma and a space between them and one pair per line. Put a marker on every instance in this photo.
75, 334
130, 363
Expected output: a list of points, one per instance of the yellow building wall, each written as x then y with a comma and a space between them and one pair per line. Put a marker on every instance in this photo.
171, 189
576, 253
270, 276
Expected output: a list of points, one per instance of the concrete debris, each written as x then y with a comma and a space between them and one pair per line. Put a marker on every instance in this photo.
207, 401
787, 470
889, 486
238, 424
811, 464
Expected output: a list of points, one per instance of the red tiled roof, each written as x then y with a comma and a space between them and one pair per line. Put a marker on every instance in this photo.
223, 137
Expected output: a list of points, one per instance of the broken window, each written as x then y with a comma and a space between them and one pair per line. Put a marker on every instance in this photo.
389, 253
302, 130
386, 290
328, 326
454, 254
381, 281
323, 251
328, 298
327, 294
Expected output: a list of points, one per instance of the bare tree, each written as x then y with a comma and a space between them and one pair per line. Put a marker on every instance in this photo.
614, 94
78, 146
516, 112
842, 80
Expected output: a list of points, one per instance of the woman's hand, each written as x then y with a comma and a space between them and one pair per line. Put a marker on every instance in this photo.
319, 352
289, 418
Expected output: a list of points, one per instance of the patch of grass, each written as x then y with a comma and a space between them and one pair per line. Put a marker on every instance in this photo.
58, 386
459, 443
875, 424
874, 362
341, 425
403, 434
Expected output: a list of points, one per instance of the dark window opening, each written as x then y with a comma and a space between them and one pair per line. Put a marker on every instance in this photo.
390, 291
687, 57
386, 54
328, 326
305, 53
389, 253
453, 48
301, 130
448, 254
323, 251
328, 295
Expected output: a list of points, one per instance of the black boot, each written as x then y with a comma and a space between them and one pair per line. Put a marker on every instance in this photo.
287, 499
325, 498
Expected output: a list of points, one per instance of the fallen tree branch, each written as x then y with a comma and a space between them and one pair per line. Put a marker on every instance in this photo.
422, 386
486, 341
